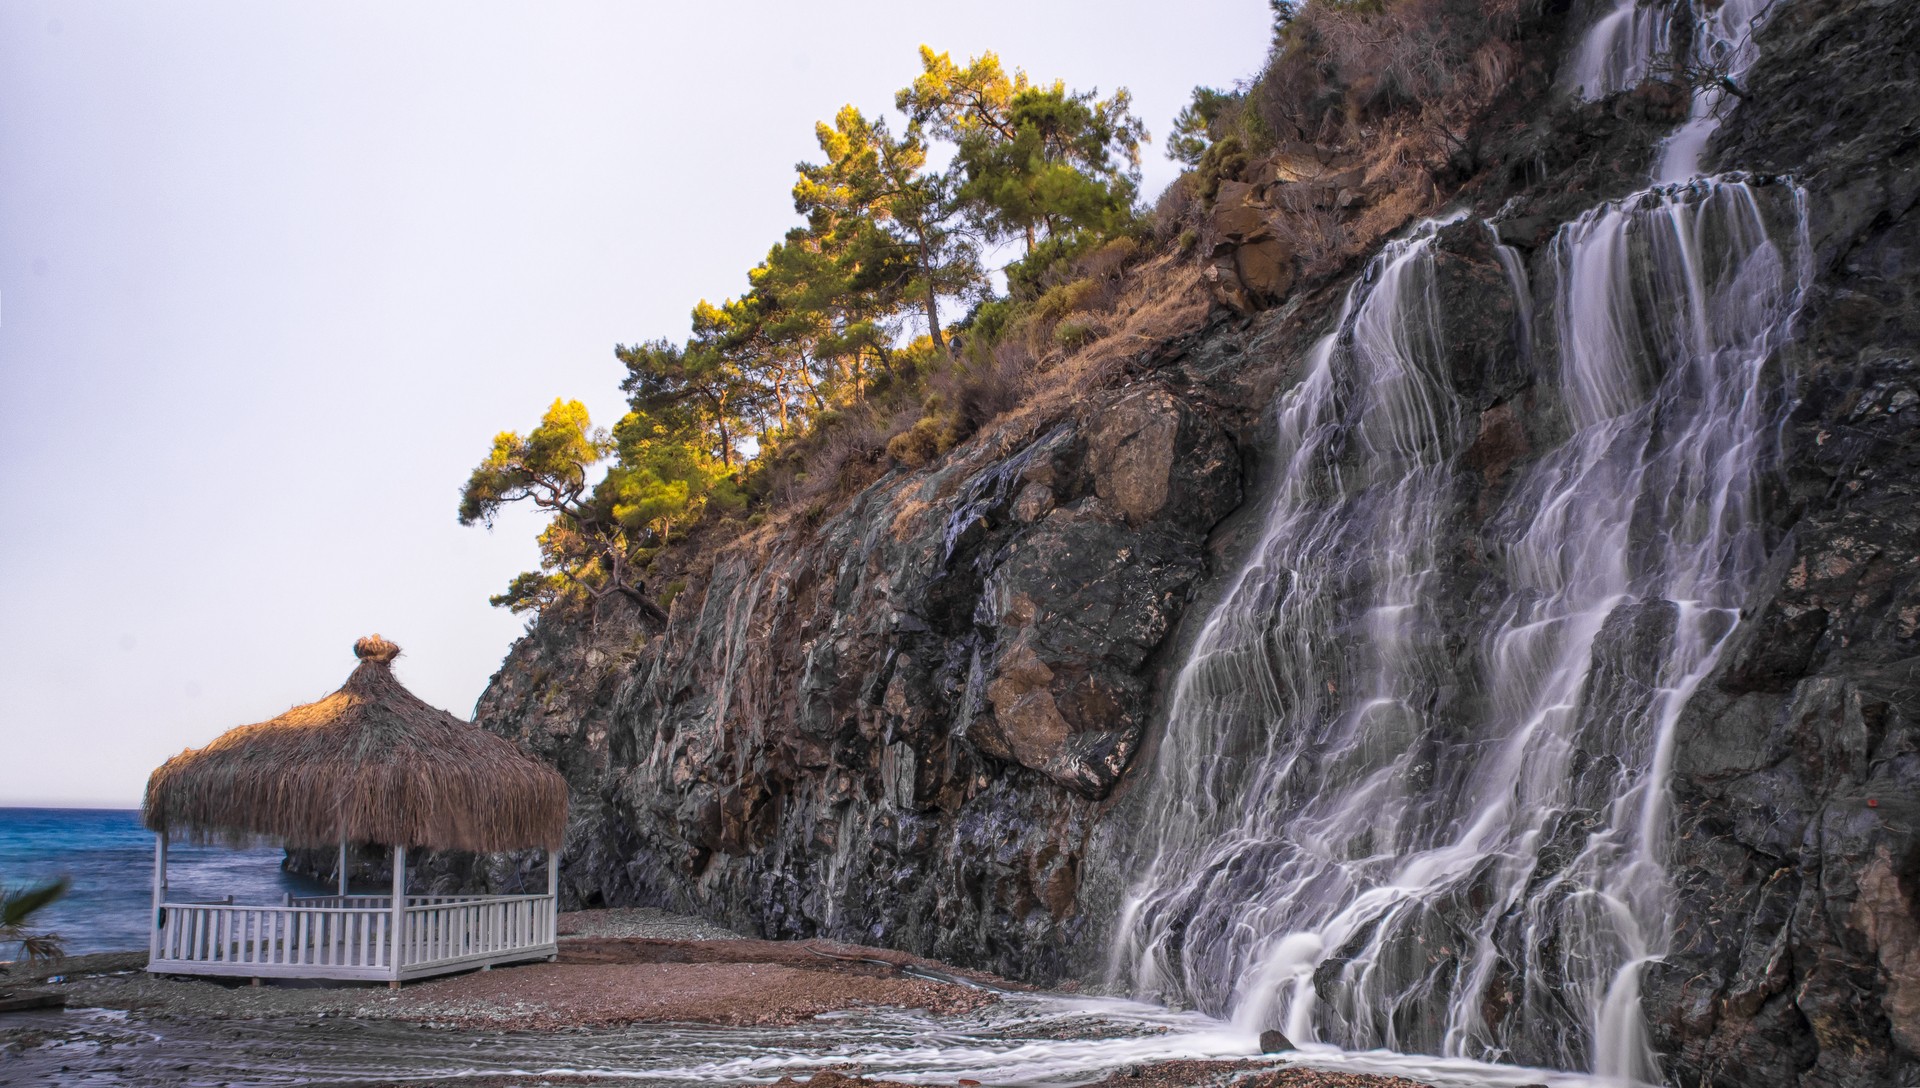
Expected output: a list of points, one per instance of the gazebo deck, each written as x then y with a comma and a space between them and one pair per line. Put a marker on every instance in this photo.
351, 937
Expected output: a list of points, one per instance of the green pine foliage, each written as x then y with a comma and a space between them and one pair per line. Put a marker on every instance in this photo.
827, 367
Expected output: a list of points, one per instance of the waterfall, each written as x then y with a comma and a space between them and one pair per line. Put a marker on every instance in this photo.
1634, 41
1723, 48
1382, 821
1619, 50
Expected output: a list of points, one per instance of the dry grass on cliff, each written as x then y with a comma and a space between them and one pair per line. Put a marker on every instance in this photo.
1160, 299
1393, 91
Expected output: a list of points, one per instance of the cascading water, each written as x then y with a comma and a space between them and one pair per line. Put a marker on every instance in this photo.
1723, 49
1380, 826
1619, 50
1634, 41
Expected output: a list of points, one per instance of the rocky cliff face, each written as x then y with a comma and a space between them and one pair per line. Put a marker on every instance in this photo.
896, 726
916, 721
1798, 771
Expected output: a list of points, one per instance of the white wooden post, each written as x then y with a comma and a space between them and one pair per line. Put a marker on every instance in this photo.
399, 909
342, 870
159, 893
553, 898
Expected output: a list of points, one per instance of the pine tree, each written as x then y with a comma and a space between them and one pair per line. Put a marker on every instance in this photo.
1033, 161
894, 223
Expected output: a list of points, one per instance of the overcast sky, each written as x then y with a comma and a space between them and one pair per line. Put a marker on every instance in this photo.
273, 274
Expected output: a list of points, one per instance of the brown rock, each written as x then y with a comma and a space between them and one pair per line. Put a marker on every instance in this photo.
1502, 441
1265, 268
1233, 192
1058, 889
1887, 917
1035, 732
1131, 453
1033, 503
1273, 1041
1028, 721
1151, 457
1223, 283
1236, 214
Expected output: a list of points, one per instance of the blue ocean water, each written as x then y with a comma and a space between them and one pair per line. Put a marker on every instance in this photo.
109, 857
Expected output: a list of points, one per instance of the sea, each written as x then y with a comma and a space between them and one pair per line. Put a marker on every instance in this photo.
109, 858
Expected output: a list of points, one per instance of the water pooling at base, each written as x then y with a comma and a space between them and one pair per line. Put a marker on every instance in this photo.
1380, 824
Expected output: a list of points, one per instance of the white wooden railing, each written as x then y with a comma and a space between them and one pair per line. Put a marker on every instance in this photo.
275, 940
475, 928
382, 902
350, 937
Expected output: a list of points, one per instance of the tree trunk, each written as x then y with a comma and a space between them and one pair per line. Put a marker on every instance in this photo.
933, 303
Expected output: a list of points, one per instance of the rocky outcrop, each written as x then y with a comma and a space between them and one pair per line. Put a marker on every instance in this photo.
1252, 268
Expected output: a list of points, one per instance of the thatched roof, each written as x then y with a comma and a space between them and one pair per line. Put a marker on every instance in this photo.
370, 764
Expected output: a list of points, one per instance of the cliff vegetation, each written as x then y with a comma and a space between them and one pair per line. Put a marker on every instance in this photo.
840, 361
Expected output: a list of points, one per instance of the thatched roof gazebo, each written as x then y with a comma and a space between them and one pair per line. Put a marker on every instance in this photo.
373, 764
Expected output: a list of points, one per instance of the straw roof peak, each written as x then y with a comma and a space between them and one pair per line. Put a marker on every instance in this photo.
370, 763
376, 649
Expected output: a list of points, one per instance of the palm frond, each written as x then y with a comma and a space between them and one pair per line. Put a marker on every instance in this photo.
19, 904
36, 946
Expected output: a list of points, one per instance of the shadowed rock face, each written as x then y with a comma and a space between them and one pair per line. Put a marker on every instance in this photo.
914, 723
898, 723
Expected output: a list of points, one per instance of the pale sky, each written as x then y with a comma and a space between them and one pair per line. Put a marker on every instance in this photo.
273, 274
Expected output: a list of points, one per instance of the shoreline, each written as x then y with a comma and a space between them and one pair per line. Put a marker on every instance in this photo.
641, 994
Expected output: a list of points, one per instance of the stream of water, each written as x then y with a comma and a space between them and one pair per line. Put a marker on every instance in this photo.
1382, 825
